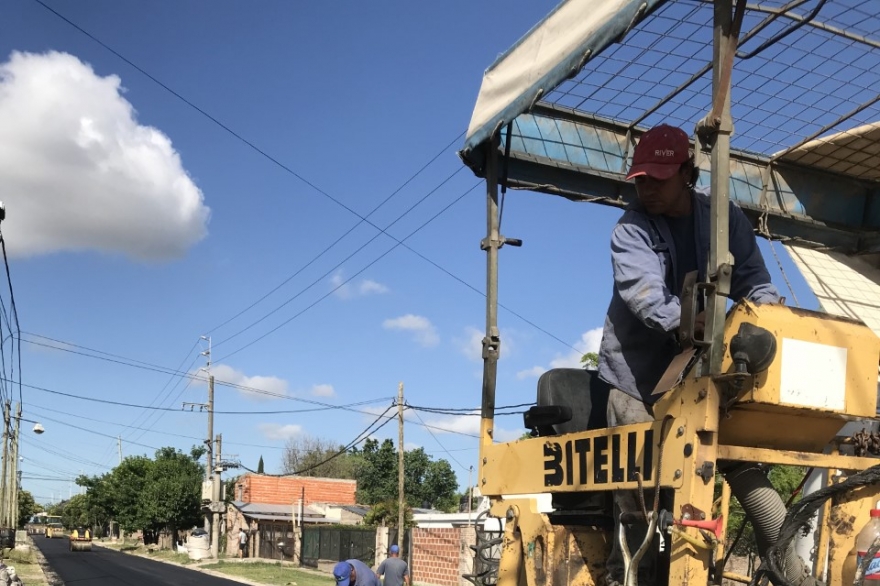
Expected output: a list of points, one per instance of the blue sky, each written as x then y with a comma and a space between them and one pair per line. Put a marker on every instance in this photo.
136, 225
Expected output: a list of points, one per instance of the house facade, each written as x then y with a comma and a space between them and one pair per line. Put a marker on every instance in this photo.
268, 507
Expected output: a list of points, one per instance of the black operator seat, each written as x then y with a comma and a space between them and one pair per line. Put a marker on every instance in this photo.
569, 400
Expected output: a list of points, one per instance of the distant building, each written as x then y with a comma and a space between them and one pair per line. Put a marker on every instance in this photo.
266, 507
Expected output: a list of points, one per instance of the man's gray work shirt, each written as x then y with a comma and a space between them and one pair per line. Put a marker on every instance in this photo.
638, 341
394, 569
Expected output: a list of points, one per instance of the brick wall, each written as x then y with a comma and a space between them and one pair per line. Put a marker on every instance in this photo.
256, 488
442, 556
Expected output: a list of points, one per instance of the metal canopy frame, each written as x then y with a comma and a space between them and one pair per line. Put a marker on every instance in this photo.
805, 99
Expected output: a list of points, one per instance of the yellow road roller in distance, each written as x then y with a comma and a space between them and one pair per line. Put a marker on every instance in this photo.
81, 539
54, 528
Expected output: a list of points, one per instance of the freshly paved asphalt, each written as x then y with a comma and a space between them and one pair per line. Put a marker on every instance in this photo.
105, 567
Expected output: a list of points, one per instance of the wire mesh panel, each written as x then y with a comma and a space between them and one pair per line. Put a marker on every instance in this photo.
805, 107
803, 69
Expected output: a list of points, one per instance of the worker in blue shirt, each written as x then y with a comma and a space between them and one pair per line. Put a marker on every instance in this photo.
662, 237
354, 573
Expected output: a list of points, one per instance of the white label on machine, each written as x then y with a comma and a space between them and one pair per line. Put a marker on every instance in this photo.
813, 375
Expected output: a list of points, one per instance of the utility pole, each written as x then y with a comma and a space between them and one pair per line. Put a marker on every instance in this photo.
470, 492
119, 446
4, 485
400, 500
209, 462
215, 500
209, 407
13, 477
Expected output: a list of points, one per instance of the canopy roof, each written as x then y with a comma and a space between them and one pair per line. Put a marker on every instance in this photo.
585, 82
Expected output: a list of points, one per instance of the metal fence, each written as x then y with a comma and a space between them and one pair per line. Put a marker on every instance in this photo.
276, 541
338, 543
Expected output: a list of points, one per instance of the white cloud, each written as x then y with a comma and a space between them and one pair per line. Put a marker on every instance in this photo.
80, 173
276, 431
421, 327
533, 372
471, 345
456, 424
469, 424
368, 287
273, 386
323, 390
348, 290
589, 342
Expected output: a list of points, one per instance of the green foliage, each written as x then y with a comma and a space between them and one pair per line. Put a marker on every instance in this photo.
427, 483
126, 484
386, 515
785, 479
172, 494
27, 507
76, 512
260, 466
141, 493
590, 360
311, 456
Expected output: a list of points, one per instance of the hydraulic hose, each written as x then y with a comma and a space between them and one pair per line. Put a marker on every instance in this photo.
765, 509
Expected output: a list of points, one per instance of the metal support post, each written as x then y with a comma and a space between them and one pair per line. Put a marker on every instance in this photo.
401, 501
13, 476
215, 501
4, 484
491, 341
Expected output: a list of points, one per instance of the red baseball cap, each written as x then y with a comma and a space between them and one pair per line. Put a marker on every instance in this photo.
660, 153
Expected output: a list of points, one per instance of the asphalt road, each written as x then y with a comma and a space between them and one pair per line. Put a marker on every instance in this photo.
105, 567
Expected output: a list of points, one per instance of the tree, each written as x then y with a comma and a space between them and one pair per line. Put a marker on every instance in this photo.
311, 456
27, 507
377, 472
99, 499
590, 360
76, 512
260, 466
127, 484
173, 491
385, 514
427, 483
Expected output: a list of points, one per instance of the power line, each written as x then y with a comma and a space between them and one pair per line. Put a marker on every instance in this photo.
347, 258
326, 295
325, 407
157, 400
358, 439
363, 219
253, 146
92, 431
39, 408
346, 233
14, 312
63, 454
442, 447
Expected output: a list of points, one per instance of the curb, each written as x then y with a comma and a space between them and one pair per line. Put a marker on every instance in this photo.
193, 567
48, 573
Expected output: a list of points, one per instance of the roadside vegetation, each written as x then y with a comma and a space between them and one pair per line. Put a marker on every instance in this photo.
271, 573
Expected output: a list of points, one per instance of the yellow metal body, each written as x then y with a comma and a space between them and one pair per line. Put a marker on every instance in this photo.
54, 530
81, 541
824, 374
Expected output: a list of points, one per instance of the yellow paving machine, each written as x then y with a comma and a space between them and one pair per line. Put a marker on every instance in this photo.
53, 527
783, 98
